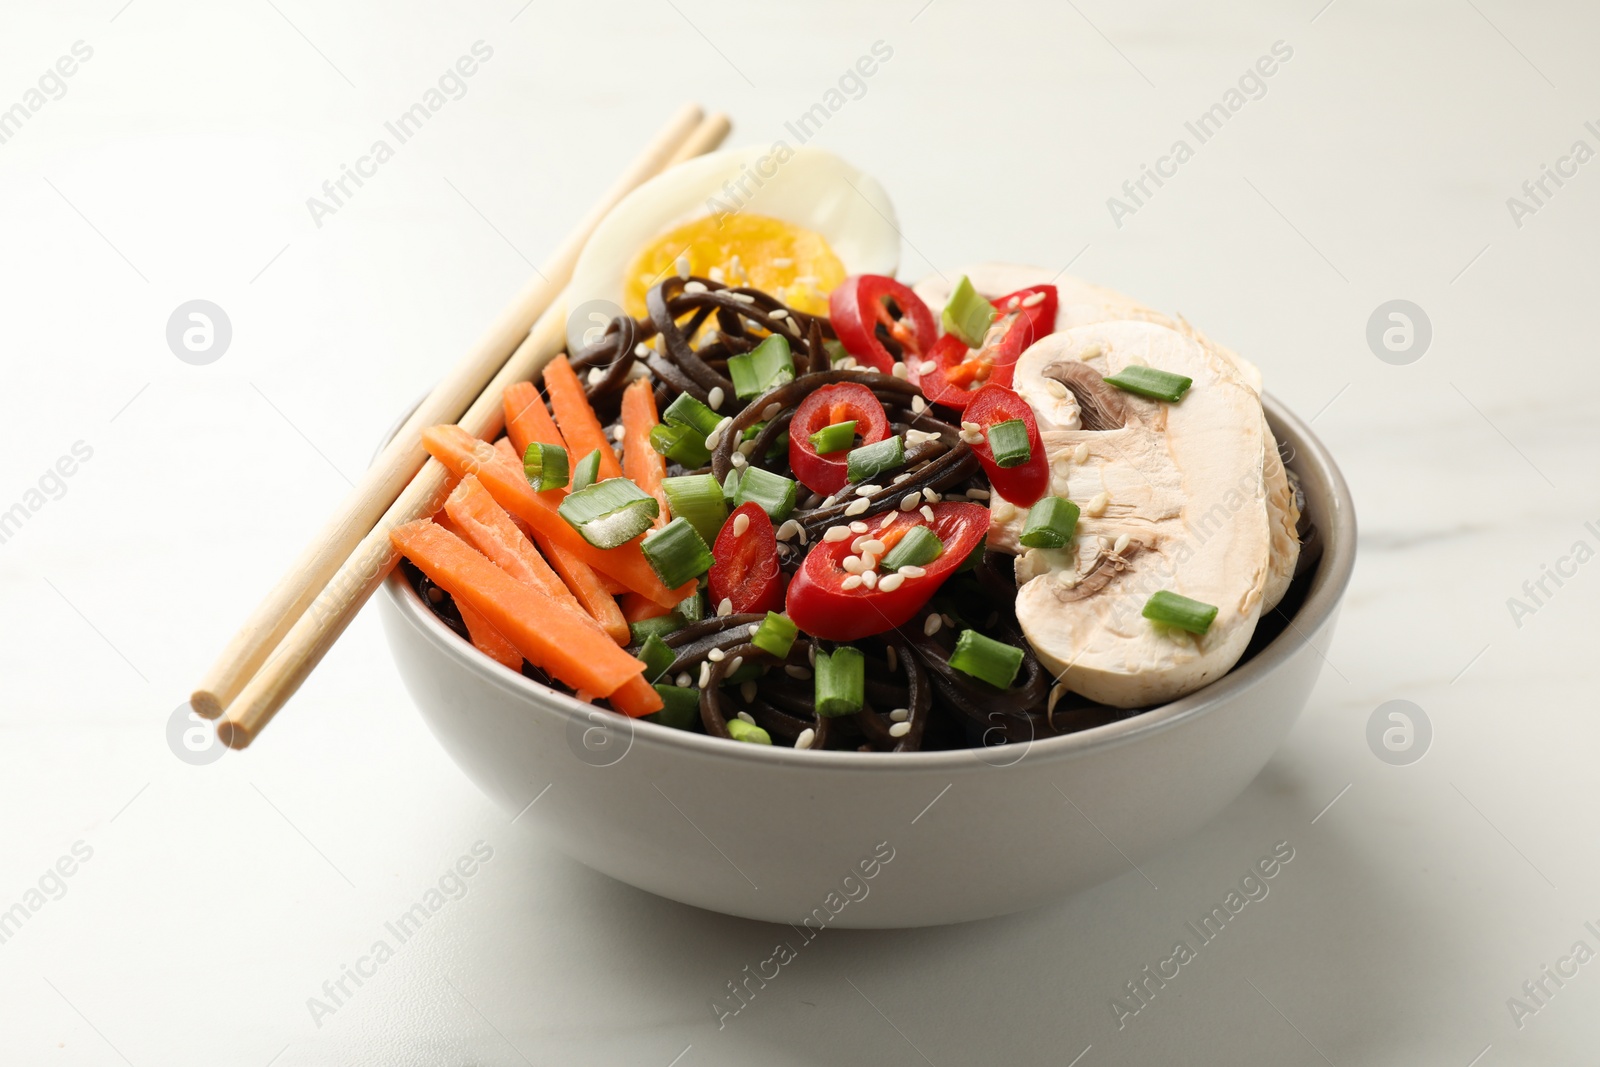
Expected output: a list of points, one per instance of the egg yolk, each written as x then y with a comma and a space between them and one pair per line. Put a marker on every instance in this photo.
792, 263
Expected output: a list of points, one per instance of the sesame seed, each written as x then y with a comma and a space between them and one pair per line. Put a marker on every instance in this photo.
977, 494
755, 628
868, 561
852, 582
1089, 353
811, 654
741, 523
725, 608
876, 547
930, 496
890, 582
892, 656
927, 366
900, 729
1033, 301
788, 531
683, 267
918, 405
1097, 506
970, 426
836, 534
684, 680
716, 655
738, 459
1013, 302
747, 448
1081, 453
618, 432
858, 506
695, 287
910, 501
869, 579
906, 477
747, 717
931, 626
807, 736
747, 690
899, 371
735, 663
1121, 543
794, 670
1056, 388
779, 313
900, 714
887, 519
854, 565
596, 375
705, 675
828, 502
858, 527
794, 327
715, 398
867, 490
927, 512
642, 350
971, 437
948, 621
716, 275
911, 570
743, 298
772, 410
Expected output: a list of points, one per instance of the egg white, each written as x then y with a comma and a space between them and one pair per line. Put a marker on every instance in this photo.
808, 187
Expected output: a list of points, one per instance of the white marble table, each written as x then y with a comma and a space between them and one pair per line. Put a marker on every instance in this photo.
206, 905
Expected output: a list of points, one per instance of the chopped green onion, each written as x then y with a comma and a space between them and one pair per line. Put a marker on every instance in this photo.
748, 732
967, 315
1179, 611
869, 461
730, 488
986, 659
919, 547
747, 672
698, 498
545, 466
677, 553
1147, 381
691, 608
776, 635
835, 438
1009, 442
780, 446
775, 493
587, 470
763, 368
836, 351
687, 411
656, 657
682, 707
609, 513
684, 445
659, 626
1051, 523
841, 681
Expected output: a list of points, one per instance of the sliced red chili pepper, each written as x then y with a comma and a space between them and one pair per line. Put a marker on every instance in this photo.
820, 605
954, 376
879, 321
1024, 484
746, 569
840, 402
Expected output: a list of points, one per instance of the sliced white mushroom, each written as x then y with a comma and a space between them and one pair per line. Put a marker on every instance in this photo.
1083, 304
1172, 496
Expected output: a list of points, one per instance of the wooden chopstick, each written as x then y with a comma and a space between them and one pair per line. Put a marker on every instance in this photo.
292, 629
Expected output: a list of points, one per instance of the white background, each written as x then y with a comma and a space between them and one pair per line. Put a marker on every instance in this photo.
218, 899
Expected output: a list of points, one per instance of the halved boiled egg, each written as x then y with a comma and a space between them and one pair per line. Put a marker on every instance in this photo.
792, 222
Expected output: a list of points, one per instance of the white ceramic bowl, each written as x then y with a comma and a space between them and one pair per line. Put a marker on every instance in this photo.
874, 840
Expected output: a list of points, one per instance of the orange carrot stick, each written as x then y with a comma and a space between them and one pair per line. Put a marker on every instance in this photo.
465, 454
579, 424
636, 697
528, 421
549, 634
594, 591
636, 608
640, 462
485, 638
484, 525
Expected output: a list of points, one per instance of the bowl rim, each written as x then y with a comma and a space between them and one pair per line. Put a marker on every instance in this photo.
1310, 459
